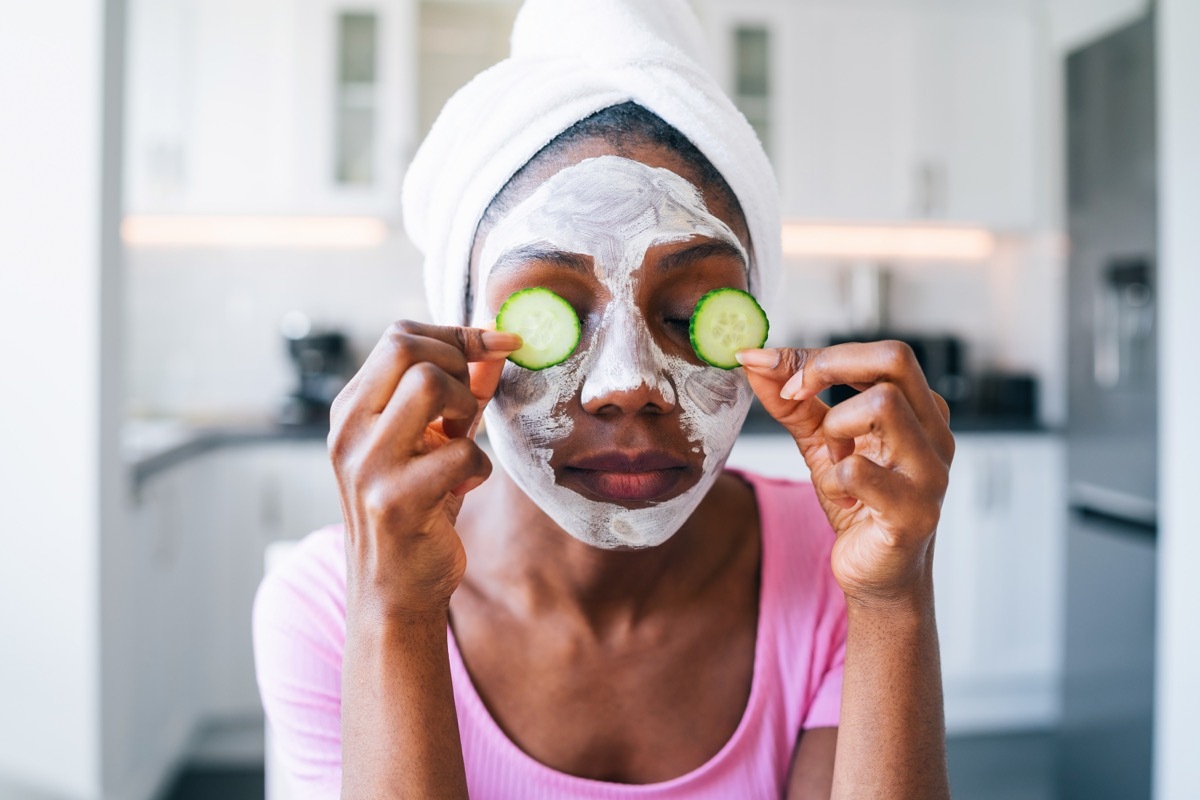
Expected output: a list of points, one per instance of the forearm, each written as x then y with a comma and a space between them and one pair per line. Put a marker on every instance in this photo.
891, 738
399, 724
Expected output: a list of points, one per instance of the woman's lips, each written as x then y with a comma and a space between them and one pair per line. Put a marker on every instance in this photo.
621, 477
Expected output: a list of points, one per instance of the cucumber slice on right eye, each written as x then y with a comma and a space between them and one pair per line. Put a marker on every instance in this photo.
725, 321
547, 324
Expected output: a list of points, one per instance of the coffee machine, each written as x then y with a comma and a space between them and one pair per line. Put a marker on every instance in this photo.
321, 360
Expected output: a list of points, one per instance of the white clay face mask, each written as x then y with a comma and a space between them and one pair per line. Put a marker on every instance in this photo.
612, 209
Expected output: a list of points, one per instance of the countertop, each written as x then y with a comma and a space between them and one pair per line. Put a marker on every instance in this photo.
150, 446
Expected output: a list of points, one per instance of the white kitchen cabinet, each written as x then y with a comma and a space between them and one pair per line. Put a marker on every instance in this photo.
254, 107
183, 573
900, 111
998, 577
976, 101
155, 601
267, 492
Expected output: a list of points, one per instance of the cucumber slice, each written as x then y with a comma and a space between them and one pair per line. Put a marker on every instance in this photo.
547, 324
725, 321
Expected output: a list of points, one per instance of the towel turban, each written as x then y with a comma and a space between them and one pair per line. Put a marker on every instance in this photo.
570, 59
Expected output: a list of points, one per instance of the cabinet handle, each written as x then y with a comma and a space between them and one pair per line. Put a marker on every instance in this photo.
925, 181
995, 485
271, 509
932, 186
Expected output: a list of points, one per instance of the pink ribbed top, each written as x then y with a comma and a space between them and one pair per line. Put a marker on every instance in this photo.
300, 632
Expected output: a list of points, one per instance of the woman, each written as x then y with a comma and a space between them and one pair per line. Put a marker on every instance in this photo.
611, 614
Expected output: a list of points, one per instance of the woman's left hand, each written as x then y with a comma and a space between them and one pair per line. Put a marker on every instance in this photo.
880, 461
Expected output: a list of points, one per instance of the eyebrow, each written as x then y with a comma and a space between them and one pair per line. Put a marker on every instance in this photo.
711, 248
576, 262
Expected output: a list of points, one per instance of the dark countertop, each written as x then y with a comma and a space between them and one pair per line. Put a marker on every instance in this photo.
155, 446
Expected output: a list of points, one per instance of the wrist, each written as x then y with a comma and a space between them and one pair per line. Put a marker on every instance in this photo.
371, 612
913, 602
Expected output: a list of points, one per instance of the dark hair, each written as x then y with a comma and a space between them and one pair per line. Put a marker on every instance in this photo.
622, 126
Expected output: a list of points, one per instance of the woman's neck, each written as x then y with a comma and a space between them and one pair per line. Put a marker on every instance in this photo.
521, 558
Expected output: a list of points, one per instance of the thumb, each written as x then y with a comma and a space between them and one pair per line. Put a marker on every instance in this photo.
485, 378
769, 371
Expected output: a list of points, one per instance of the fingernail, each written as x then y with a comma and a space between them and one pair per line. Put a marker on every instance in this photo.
793, 386
768, 359
498, 341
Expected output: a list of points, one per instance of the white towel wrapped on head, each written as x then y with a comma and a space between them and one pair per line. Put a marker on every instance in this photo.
570, 59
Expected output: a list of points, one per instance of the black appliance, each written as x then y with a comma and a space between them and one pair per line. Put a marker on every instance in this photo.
321, 361
942, 359
1105, 742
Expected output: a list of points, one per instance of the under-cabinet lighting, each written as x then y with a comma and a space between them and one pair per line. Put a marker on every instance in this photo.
887, 242
253, 231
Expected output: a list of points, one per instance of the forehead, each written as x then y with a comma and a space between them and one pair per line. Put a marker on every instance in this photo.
656, 157
609, 207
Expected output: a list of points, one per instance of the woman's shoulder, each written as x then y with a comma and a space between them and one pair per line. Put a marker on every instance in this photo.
299, 629
304, 588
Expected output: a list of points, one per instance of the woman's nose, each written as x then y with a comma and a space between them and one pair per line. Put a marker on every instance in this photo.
626, 373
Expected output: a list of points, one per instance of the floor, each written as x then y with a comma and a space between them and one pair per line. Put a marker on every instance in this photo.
1017, 766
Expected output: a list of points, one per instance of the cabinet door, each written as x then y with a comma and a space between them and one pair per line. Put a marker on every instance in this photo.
954, 570
356, 73
902, 111
1022, 502
267, 492
848, 115
154, 598
976, 101
998, 576
270, 107
298, 492
235, 570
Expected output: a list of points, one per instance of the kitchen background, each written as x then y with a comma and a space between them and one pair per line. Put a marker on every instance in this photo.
217, 213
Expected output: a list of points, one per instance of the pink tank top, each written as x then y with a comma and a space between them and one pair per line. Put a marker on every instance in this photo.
300, 632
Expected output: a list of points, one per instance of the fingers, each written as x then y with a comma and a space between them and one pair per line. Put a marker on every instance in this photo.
425, 393
407, 343
804, 373
881, 411
943, 406
455, 468
485, 379
767, 371
857, 478
906, 505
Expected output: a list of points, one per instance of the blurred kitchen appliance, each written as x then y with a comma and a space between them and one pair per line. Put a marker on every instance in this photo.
1005, 396
1105, 743
941, 358
321, 361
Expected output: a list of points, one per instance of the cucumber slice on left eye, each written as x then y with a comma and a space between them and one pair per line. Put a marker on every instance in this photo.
725, 321
547, 324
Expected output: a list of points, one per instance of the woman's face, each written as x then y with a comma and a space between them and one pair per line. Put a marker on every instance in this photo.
619, 443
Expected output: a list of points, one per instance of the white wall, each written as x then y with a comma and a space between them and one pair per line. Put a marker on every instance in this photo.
203, 324
1177, 766
57, 427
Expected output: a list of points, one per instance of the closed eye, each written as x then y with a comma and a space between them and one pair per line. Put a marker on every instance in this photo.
680, 324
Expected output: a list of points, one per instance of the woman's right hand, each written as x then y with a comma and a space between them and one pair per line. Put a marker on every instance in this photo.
402, 444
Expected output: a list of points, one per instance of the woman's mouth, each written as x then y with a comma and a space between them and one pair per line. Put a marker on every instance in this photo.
621, 477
